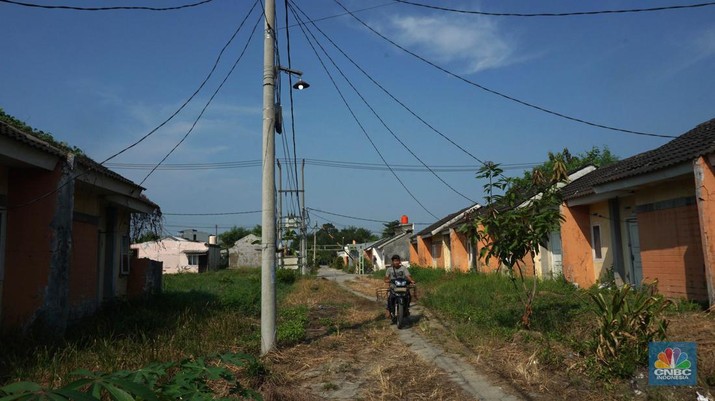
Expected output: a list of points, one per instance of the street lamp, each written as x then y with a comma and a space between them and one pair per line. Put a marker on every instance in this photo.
300, 85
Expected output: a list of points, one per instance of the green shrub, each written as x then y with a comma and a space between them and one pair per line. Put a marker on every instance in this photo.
291, 324
338, 263
627, 321
286, 276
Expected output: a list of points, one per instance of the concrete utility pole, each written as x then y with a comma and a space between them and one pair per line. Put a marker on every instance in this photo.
303, 227
268, 216
281, 256
315, 242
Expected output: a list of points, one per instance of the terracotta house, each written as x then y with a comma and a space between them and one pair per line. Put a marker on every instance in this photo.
441, 245
180, 255
64, 233
650, 216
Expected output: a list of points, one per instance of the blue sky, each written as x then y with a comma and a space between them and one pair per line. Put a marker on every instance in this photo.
101, 80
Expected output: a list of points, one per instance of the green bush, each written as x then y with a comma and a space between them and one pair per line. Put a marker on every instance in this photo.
286, 276
338, 263
627, 321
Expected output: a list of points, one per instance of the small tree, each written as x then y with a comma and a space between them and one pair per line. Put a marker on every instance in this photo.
390, 228
228, 238
515, 223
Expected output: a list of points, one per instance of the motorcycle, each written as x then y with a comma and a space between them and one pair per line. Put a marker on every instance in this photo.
399, 294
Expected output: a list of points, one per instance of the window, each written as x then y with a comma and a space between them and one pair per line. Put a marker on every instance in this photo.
193, 259
126, 255
596, 242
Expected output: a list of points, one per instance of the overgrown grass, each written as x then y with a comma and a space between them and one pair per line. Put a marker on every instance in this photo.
196, 315
489, 303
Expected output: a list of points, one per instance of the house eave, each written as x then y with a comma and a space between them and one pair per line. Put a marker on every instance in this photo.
645, 179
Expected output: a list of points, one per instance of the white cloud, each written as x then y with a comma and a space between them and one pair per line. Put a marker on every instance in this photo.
705, 44
476, 43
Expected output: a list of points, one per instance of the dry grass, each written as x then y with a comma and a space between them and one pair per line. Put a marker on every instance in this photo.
351, 353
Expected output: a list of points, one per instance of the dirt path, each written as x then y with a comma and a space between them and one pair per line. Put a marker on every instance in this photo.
473, 384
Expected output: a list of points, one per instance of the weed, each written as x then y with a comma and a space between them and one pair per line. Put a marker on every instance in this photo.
628, 321
329, 386
189, 379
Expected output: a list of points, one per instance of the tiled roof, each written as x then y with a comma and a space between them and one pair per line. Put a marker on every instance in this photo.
33, 141
30, 140
685, 148
441, 221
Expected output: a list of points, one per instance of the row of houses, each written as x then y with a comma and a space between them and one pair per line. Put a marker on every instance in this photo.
648, 217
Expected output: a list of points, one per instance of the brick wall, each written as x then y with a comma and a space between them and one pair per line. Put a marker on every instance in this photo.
577, 254
671, 251
460, 251
83, 273
27, 251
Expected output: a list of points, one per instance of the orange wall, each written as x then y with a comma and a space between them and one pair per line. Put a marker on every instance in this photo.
27, 250
424, 257
577, 255
705, 195
414, 255
674, 255
460, 250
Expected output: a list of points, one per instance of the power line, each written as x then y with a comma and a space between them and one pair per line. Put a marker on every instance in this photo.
212, 214
494, 92
19, 3
341, 14
388, 93
565, 14
444, 168
212, 96
218, 58
356, 218
382, 121
358, 121
292, 115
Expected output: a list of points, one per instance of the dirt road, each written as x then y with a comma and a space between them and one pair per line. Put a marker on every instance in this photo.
353, 353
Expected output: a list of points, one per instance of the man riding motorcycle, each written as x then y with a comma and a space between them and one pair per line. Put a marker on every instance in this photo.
396, 270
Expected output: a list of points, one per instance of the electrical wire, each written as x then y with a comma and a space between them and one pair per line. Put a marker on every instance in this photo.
382, 121
292, 114
212, 214
315, 162
210, 99
494, 92
357, 218
342, 14
388, 93
19, 3
213, 69
564, 14
364, 131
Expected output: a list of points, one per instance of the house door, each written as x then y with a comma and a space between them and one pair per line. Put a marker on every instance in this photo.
634, 246
555, 253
